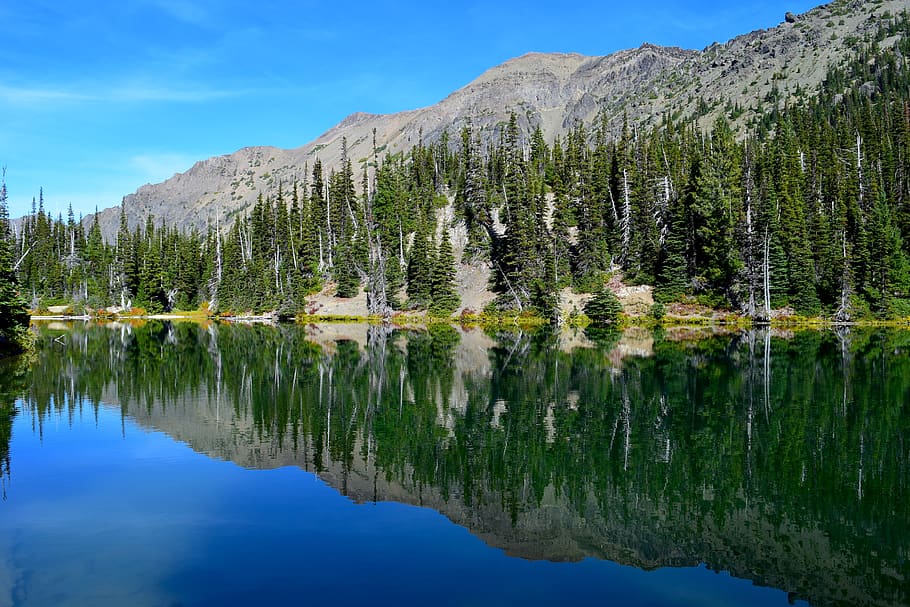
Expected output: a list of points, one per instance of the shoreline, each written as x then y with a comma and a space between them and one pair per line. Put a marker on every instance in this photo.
519, 321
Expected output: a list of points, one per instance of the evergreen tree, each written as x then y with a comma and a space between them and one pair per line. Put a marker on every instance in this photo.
887, 268
673, 267
717, 212
14, 317
472, 199
444, 292
421, 266
604, 308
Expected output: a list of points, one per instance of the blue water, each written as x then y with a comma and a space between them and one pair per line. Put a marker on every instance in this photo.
100, 511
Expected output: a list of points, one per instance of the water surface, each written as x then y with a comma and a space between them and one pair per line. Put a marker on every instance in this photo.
178, 464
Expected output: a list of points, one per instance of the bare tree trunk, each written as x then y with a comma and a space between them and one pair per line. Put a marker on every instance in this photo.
353, 218
612, 206
511, 290
626, 216
278, 286
401, 260
843, 308
293, 248
377, 291
750, 250
219, 266
321, 253
21, 259
330, 235
859, 168
663, 208
766, 275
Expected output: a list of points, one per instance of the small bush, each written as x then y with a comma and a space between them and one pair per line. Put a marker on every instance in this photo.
604, 309
658, 311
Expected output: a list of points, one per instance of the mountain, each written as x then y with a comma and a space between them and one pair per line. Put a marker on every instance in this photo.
740, 78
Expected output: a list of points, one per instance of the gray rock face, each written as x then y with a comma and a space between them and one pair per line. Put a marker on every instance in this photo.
553, 91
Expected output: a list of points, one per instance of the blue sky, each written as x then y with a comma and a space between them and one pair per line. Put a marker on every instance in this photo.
98, 97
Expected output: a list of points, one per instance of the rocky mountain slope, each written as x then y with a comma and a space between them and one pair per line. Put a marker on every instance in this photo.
739, 78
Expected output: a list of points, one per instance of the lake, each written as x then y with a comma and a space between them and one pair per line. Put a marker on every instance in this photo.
185, 464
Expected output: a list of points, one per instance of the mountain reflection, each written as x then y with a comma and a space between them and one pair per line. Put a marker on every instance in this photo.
781, 460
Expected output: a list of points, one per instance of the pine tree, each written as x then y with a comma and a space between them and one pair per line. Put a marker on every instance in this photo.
717, 211
673, 268
14, 317
888, 267
587, 180
444, 291
473, 201
420, 269
604, 308
562, 220
96, 275
793, 221
348, 281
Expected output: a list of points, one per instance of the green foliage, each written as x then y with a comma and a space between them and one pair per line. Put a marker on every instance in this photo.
13, 380
421, 265
604, 308
592, 282
346, 275
14, 317
657, 311
604, 337
445, 299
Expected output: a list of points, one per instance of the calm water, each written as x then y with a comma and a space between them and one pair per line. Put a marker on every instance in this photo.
173, 464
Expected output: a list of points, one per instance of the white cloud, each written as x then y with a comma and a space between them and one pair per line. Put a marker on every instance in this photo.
126, 93
153, 93
26, 95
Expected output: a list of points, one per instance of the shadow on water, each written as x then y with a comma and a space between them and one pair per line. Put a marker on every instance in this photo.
781, 458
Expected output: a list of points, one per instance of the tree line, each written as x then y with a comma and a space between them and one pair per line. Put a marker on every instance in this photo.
808, 211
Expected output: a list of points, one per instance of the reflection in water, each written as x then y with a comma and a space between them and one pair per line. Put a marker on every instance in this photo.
12, 382
784, 461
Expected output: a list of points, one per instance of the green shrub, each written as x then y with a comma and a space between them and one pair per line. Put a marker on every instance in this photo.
658, 311
604, 309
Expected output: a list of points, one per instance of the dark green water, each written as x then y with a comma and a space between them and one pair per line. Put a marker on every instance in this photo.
172, 464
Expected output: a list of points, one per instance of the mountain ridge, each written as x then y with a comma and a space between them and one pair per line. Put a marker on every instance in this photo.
550, 90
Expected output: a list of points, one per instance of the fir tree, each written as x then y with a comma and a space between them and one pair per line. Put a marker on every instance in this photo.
604, 308
444, 291
14, 317
421, 264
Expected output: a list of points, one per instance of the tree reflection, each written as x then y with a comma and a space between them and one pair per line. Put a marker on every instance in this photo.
12, 383
782, 458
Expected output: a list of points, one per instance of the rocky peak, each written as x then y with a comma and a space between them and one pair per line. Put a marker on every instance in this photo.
550, 90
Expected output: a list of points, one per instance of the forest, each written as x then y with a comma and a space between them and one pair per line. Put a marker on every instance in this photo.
806, 208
